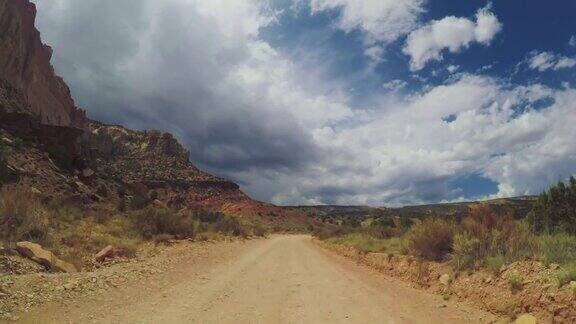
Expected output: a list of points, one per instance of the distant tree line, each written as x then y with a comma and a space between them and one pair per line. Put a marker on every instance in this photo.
555, 210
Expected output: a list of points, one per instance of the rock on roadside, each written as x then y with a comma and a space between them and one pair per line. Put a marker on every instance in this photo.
526, 319
445, 279
105, 253
36, 253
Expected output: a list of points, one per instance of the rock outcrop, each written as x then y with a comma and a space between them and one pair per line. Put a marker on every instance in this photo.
25, 65
35, 104
154, 165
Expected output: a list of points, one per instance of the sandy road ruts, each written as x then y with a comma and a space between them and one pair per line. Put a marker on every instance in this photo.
284, 279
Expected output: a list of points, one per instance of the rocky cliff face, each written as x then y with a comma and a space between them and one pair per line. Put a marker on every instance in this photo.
155, 165
25, 66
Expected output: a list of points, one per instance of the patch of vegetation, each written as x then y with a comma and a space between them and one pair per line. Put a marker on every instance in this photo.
151, 222
76, 234
515, 281
431, 239
557, 248
364, 242
259, 230
487, 234
488, 237
22, 216
495, 263
465, 251
326, 232
555, 210
566, 274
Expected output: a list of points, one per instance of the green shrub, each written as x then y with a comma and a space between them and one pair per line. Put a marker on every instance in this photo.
386, 227
228, 225
22, 216
515, 280
495, 263
152, 221
566, 274
466, 250
259, 230
555, 209
208, 216
138, 202
431, 239
557, 248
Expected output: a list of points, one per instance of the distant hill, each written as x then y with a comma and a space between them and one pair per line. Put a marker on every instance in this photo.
518, 206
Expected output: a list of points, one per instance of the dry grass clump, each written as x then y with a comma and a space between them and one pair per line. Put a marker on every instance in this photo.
431, 239
495, 263
361, 242
258, 230
152, 221
22, 216
566, 274
330, 231
558, 248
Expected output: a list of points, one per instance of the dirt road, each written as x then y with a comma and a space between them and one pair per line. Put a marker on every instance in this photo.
284, 279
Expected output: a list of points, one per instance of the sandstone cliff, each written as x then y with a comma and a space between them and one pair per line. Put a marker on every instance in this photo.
25, 65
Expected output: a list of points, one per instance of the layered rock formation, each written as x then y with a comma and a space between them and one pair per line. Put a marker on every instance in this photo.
35, 104
156, 166
25, 66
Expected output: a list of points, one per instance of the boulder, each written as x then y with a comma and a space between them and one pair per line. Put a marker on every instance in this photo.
36, 253
445, 279
105, 253
88, 173
526, 319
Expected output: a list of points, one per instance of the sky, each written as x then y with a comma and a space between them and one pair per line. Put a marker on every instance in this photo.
350, 102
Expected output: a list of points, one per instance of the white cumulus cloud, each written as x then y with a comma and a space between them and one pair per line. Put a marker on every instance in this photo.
543, 61
428, 42
381, 21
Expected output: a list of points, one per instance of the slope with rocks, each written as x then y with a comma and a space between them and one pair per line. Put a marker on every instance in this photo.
154, 165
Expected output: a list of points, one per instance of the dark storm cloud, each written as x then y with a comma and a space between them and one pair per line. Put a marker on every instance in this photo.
165, 65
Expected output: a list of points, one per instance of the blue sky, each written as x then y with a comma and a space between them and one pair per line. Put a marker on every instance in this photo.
380, 102
537, 26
